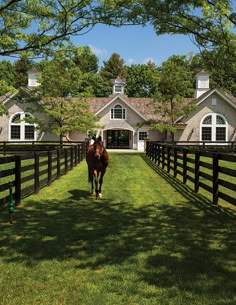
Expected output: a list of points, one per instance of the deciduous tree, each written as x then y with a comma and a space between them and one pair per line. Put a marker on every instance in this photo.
114, 67
36, 26
176, 84
142, 80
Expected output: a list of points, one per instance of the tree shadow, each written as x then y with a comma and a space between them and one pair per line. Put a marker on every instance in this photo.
184, 245
199, 199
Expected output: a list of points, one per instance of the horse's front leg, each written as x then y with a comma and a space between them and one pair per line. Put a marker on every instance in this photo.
95, 174
92, 186
100, 183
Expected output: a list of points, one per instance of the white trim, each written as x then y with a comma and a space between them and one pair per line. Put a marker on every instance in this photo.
10, 97
201, 100
22, 125
213, 126
122, 108
124, 101
141, 143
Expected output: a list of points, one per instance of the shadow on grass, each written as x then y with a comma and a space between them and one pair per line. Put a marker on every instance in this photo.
188, 245
198, 199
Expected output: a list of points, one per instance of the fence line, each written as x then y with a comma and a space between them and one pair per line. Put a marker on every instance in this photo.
27, 172
211, 170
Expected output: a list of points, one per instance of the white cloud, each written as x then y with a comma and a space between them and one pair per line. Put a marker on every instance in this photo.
146, 60
131, 61
98, 51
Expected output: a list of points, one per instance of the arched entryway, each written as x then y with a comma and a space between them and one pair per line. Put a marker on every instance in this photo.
119, 138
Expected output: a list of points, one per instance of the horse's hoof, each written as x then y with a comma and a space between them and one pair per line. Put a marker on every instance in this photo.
98, 196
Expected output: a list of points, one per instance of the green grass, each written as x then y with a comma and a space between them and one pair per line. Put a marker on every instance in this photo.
150, 240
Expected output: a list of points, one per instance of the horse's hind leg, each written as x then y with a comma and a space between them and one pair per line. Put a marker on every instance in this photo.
100, 183
96, 184
92, 187
90, 178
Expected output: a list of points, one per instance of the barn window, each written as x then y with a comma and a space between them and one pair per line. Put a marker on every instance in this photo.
21, 129
118, 112
142, 135
214, 128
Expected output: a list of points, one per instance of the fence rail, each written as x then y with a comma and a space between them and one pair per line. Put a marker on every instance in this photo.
27, 171
210, 169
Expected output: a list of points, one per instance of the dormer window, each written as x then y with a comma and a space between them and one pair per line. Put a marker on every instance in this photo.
33, 76
118, 112
118, 89
118, 86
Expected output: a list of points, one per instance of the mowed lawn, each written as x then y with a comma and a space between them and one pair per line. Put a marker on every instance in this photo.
149, 240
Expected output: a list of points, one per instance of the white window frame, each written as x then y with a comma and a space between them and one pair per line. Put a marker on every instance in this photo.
118, 89
123, 111
22, 124
213, 125
141, 132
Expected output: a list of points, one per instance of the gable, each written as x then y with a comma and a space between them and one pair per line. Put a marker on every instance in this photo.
226, 97
142, 107
124, 102
215, 101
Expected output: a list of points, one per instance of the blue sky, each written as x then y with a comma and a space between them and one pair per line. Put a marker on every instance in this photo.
135, 44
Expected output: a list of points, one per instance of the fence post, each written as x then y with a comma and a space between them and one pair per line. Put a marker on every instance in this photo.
4, 148
66, 160
71, 158
79, 153
147, 148
17, 180
168, 158
163, 156
175, 161
158, 154
58, 162
215, 178
184, 165
197, 171
155, 153
75, 154
152, 151
36, 173
49, 167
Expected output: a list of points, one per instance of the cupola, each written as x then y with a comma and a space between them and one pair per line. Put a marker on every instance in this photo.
118, 86
33, 75
202, 83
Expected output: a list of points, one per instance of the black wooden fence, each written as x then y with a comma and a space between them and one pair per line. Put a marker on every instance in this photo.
209, 169
28, 170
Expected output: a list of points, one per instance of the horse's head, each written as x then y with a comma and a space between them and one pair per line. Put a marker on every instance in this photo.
98, 149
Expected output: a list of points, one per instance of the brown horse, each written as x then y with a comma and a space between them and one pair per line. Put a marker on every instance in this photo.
97, 160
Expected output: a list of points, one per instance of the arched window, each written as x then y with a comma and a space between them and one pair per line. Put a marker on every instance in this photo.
118, 112
214, 128
21, 129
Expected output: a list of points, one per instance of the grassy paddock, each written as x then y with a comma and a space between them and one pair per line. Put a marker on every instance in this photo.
150, 240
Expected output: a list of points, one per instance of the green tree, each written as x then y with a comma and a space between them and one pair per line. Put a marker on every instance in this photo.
220, 65
37, 27
61, 96
5, 88
176, 84
7, 72
142, 80
21, 67
113, 67
209, 23
59, 78
85, 59
67, 115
